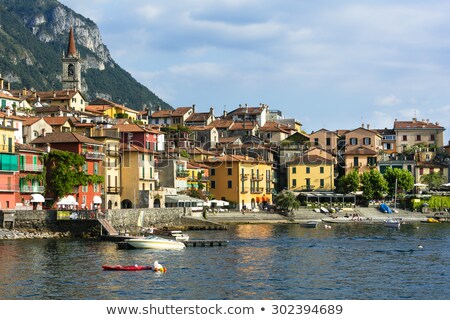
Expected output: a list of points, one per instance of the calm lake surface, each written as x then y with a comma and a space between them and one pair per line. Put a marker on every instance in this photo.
260, 262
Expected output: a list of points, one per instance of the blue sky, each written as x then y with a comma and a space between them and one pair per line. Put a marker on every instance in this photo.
332, 64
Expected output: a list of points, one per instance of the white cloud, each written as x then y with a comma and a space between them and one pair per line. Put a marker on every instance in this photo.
388, 101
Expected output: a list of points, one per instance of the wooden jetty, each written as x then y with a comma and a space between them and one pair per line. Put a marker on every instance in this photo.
189, 243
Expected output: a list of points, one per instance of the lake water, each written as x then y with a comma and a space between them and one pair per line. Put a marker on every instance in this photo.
260, 262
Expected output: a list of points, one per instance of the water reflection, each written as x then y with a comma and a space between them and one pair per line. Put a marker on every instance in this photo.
260, 262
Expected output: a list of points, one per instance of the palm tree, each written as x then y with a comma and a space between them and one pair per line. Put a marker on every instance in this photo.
287, 201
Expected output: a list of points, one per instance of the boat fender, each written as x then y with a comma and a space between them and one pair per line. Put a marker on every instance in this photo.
163, 269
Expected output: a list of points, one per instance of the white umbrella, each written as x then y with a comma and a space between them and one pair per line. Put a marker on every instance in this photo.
219, 203
445, 185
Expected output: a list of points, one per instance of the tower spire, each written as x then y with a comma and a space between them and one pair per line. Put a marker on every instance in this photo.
71, 49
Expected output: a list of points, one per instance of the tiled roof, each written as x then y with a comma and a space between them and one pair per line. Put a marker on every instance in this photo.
430, 164
272, 126
221, 123
64, 137
243, 126
52, 109
28, 121
56, 121
136, 148
7, 96
416, 125
27, 147
3, 115
181, 111
200, 128
228, 139
198, 117
162, 114
246, 110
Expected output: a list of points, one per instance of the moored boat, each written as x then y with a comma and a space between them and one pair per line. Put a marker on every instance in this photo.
172, 234
309, 224
392, 223
153, 242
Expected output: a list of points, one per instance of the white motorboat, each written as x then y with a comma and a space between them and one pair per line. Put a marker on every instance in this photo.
392, 223
152, 242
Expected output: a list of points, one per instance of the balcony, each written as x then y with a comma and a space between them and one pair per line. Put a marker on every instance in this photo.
94, 155
114, 190
372, 165
32, 189
257, 190
257, 177
244, 177
183, 174
32, 167
9, 188
244, 191
112, 153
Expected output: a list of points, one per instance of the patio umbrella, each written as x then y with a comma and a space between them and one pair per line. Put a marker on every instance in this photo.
421, 185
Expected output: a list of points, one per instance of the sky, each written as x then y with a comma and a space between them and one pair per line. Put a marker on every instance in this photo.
328, 64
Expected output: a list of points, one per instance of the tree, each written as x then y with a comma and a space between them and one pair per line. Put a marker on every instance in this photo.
349, 182
405, 180
64, 172
374, 186
433, 180
287, 200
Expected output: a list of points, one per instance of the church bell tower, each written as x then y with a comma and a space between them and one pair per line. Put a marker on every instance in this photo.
71, 66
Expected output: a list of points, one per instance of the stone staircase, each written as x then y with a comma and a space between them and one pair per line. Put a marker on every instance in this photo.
108, 227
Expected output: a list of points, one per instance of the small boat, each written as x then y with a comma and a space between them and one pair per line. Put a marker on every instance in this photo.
431, 220
309, 224
392, 223
119, 267
153, 242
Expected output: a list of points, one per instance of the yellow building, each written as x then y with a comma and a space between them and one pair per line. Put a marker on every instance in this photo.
198, 176
310, 172
240, 180
111, 109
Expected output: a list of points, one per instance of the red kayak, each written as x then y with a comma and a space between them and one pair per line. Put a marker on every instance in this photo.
118, 267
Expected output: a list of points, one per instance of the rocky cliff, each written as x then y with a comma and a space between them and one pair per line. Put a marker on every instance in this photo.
33, 36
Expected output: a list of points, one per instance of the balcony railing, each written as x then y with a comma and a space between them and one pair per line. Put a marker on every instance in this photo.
8, 188
94, 155
113, 189
257, 177
245, 176
112, 153
245, 190
257, 190
32, 167
183, 174
32, 189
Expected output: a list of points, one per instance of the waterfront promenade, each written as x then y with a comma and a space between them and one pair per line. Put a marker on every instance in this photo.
303, 215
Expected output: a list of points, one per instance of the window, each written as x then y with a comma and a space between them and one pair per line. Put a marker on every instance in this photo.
84, 188
95, 187
418, 138
355, 161
322, 183
213, 172
431, 170
404, 138
322, 169
316, 141
421, 171
230, 171
294, 170
308, 170
366, 141
353, 141
294, 183
213, 184
409, 168
328, 141
230, 184
96, 167
387, 146
432, 137
308, 183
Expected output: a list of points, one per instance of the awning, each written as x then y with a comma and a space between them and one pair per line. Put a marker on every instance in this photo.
69, 200
36, 197
97, 200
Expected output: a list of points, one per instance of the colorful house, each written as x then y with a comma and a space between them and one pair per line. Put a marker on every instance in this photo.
9, 166
240, 180
311, 173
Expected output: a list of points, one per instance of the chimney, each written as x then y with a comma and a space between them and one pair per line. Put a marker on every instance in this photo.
47, 147
158, 108
211, 111
8, 111
414, 120
368, 126
225, 113
193, 108
1, 82
24, 92
8, 86
54, 94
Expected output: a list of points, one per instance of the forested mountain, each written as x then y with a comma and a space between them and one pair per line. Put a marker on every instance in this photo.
33, 36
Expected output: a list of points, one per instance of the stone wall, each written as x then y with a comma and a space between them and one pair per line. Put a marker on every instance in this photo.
129, 219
